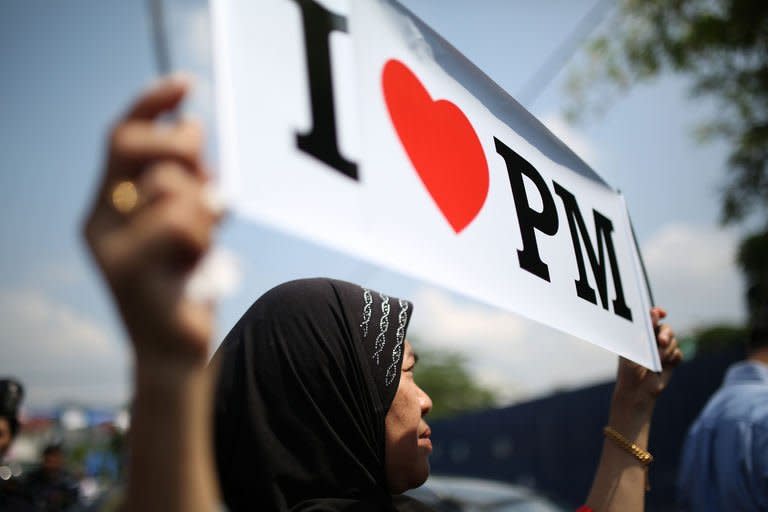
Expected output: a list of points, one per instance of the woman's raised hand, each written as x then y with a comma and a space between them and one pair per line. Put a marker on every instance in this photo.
150, 224
639, 385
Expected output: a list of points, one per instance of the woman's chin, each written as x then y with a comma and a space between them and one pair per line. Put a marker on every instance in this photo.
416, 478
422, 476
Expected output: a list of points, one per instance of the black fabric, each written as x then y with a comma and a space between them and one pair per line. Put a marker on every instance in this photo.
13, 497
306, 378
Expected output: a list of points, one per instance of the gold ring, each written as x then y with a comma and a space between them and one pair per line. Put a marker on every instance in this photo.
125, 197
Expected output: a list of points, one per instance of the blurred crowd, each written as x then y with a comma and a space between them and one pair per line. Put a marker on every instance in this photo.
62, 460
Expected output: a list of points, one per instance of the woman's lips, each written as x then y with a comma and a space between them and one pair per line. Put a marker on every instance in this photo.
424, 439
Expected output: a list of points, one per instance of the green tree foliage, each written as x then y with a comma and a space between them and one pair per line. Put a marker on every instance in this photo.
719, 337
445, 377
723, 46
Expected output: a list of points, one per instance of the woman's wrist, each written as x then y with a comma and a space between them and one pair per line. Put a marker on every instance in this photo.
169, 379
632, 400
165, 355
631, 416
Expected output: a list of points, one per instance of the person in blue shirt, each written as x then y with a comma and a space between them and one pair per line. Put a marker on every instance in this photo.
725, 457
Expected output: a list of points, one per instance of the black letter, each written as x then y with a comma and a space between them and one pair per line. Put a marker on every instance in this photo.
320, 142
528, 219
603, 230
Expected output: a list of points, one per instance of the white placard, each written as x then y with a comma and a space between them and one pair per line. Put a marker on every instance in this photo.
356, 126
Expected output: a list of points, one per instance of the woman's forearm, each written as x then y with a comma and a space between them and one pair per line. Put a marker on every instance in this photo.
620, 480
171, 464
150, 223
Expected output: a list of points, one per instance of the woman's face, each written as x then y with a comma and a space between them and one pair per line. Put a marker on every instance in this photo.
407, 434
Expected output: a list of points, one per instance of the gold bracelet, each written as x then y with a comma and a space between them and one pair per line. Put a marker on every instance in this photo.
642, 456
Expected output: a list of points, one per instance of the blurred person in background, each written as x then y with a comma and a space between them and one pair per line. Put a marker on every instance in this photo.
724, 465
50, 486
12, 496
11, 395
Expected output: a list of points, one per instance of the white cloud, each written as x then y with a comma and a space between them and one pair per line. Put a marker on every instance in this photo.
58, 353
694, 275
572, 138
459, 326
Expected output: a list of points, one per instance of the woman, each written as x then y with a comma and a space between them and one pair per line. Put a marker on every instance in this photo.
312, 411
333, 415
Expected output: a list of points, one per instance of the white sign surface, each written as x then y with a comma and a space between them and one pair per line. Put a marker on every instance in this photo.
356, 126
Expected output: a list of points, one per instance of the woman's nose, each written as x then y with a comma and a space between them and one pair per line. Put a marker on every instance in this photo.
426, 402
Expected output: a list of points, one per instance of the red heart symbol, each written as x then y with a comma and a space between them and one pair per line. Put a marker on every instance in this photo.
441, 144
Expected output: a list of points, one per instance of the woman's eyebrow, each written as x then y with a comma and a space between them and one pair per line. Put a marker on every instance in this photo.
415, 356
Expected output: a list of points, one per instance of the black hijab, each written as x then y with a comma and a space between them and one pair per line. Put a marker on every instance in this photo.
306, 379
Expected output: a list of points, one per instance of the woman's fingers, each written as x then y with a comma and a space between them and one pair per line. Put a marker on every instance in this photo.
139, 137
135, 143
669, 349
170, 229
177, 225
165, 179
664, 336
136, 147
163, 96
672, 356
162, 180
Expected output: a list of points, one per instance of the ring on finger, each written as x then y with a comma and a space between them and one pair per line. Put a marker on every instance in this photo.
124, 197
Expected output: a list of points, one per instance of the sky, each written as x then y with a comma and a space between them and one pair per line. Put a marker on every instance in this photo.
69, 68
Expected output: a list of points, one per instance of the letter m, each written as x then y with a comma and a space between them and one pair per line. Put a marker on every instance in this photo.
603, 230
